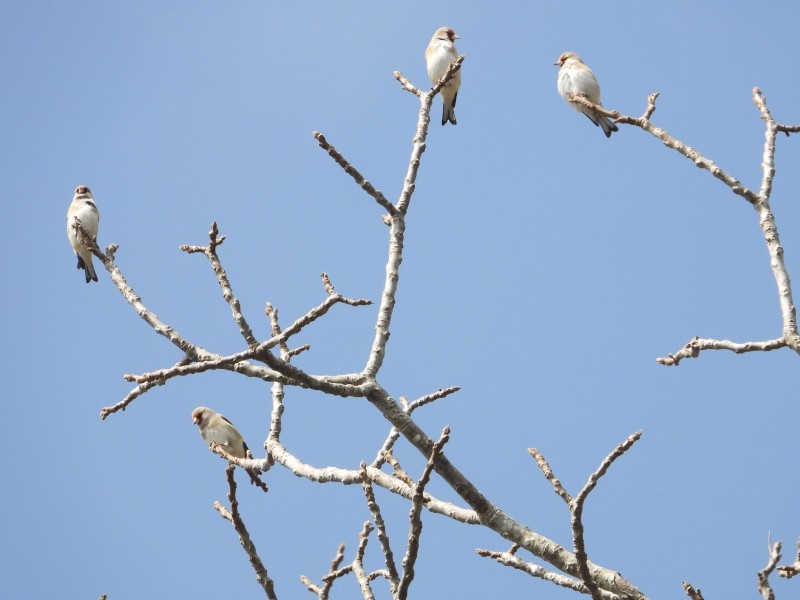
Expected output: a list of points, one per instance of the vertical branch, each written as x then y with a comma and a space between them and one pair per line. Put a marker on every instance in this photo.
767, 222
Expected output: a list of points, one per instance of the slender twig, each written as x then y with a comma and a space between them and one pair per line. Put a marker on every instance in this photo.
763, 575
244, 537
353, 172
358, 562
380, 527
415, 517
210, 252
790, 571
550, 476
576, 508
409, 407
693, 593
510, 560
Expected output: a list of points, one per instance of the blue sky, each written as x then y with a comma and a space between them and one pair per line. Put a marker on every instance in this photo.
546, 267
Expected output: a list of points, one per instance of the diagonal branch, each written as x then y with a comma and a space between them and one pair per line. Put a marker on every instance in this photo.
576, 507
244, 537
353, 172
210, 252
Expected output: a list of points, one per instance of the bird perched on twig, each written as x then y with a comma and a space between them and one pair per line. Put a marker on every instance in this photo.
216, 429
576, 78
84, 209
440, 53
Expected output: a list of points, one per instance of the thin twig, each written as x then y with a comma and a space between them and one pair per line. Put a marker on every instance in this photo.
763, 575
510, 560
353, 172
550, 476
380, 526
244, 537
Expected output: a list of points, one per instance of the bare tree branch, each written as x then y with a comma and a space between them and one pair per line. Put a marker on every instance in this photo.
415, 517
790, 571
510, 560
763, 575
760, 201
380, 526
244, 537
576, 507
694, 594
358, 177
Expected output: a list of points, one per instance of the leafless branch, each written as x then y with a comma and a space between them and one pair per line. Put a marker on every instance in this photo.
358, 563
576, 508
510, 560
244, 537
696, 345
790, 571
380, 526
694, 594
358, 177
550, 476
415, 517
759, 200
763, 575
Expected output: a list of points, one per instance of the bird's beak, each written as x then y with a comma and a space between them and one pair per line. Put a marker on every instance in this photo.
558, 63
456, 36
195, 420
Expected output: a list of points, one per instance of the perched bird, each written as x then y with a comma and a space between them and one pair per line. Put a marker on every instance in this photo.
84, 208
574, 77
438, 56
217, 429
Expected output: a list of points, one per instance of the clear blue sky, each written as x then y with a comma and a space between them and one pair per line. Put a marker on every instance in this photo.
546, 268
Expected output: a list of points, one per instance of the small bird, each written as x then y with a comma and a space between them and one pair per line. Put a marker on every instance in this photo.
83, 208
438, 56
574, 77
217, 429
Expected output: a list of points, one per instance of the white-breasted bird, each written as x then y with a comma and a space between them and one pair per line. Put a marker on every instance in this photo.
84, 208
215, 428
575, 77
440, 53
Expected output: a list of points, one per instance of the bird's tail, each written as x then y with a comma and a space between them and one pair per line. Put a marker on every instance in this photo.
88, 267
449, 114
607, 125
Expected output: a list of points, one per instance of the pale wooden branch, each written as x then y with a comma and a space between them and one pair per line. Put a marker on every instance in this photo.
378, 477
693, 593
415, 517
251, 466
210, 252
790, 571
409, 407
576, 508
380, 527
322, 592
192, 351
490, 515
759, 200
763, 575
510, 560
550, 476
244, 537
358, 562
693, 348
353, 172
238, 362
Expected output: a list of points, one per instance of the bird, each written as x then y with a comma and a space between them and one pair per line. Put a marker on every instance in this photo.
440, 53
576, 78
84, 209
216, 429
